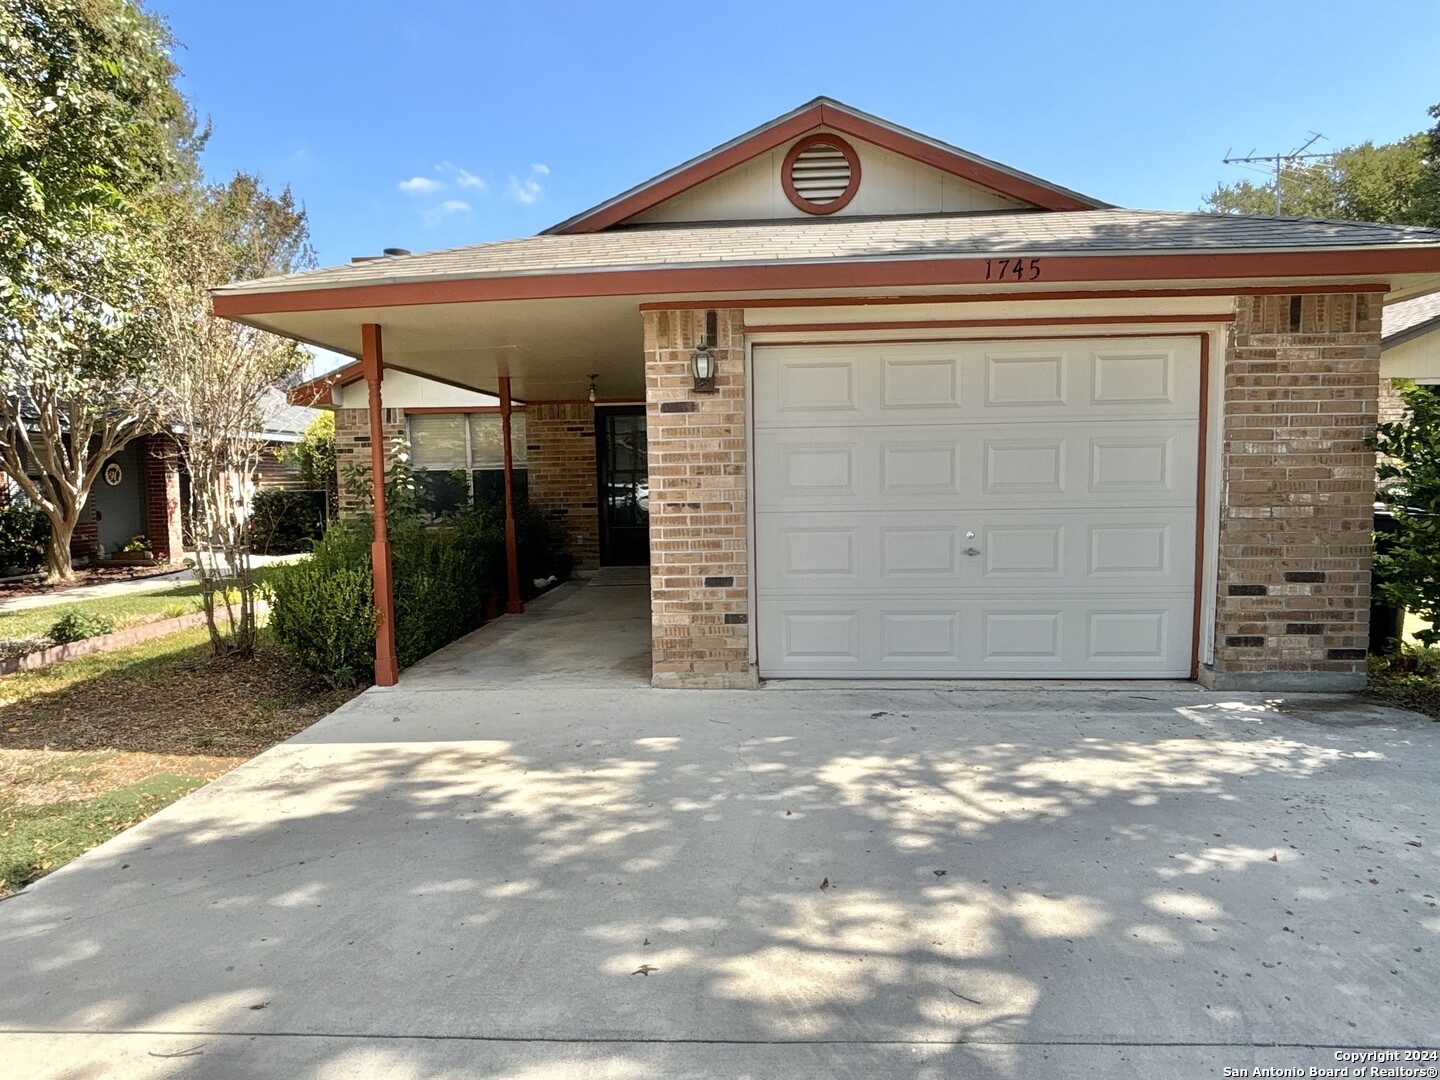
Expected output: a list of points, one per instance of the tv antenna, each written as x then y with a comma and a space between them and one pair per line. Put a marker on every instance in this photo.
1281, 161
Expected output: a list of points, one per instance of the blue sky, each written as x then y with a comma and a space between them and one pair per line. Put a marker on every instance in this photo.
514, 115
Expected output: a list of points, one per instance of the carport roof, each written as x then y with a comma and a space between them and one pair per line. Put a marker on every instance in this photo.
1025, 233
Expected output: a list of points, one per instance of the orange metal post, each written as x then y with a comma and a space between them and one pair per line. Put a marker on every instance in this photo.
372, 357
513, 603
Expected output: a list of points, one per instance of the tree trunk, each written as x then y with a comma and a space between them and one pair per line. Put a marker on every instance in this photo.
58, 567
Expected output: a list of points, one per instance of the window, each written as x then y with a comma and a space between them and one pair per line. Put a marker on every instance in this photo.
460, 457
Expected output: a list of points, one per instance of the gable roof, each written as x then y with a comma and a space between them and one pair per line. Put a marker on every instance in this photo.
1409, 319
827, 113
606, 263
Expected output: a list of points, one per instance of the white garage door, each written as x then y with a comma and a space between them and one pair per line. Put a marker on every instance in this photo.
1011, 509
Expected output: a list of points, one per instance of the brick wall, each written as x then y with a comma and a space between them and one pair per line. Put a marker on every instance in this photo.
352, 449
1298, 480
560, 457
160, 464
699, 567
1392, 405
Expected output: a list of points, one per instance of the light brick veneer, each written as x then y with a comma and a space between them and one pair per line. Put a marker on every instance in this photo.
699, 563
1392, 406
560, 453
1298, 482
352, 449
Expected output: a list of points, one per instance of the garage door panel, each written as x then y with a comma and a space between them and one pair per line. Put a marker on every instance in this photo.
976, 466
1113, 549
977, 637
1004, 509
976, 381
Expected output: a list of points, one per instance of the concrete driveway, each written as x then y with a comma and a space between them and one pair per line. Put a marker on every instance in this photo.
464, 878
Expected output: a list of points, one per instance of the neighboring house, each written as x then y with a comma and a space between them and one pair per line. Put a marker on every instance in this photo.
883, 409
1409, 349
143, 489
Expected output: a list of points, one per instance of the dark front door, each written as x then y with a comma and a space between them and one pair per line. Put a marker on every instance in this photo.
624, 486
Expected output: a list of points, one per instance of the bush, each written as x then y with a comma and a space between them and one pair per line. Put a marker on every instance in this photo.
77, 624
24, 535
284, 522
1409, 474
322, 610
542, 545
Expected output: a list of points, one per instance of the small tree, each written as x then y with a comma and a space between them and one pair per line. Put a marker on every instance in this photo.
218, 374
314, 458
1409, 473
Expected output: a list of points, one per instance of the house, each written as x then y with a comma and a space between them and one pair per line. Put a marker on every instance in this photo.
1409, 349
143, 489
901, 412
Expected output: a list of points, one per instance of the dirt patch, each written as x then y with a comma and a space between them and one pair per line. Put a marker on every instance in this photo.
41, 777
190, 705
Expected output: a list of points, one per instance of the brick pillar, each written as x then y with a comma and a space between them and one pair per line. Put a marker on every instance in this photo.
160, 464
699, 563
352, 450
1298, 480
560, 460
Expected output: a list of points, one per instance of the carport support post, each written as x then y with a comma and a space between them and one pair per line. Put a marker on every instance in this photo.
513, 604
372, 362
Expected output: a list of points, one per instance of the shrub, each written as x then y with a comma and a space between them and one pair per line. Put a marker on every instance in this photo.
77, 624
542, 545
24, 534
322, 609
135, 545
1409, 474
284, 522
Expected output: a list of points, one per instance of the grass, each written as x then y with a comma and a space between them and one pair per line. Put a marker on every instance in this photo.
91, 746
125, 610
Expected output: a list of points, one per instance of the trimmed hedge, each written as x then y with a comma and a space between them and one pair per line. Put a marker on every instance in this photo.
322, 610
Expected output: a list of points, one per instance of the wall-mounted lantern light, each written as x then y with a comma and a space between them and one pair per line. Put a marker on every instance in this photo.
704, 363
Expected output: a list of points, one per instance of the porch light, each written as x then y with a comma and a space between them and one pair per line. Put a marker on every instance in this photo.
592, 388
703, 365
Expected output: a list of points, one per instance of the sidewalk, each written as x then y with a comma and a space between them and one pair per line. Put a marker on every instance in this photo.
82, 593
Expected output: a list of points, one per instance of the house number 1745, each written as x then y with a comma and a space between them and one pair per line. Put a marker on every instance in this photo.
1012, 269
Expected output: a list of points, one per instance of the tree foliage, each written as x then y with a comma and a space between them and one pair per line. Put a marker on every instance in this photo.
1409, 475
90, 121
1397, 182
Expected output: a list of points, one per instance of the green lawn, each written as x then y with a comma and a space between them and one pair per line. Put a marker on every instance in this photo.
123, 611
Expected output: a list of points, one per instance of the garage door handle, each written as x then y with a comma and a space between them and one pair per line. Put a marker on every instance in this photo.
971, 551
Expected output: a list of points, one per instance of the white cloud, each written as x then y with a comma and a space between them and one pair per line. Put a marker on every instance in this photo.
524, 191
543, 170
444, 210
421, 185
466, 179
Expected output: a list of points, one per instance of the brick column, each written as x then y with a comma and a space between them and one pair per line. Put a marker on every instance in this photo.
699, 561
160, 463
352, 449
1298, 480
560, 459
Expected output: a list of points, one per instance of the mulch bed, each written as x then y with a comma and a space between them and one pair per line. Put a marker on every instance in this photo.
90, 575
197, 705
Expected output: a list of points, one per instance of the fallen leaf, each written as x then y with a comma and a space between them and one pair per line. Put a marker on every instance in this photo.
646, 941
1275, 857
1413, 843
1374, 881
644, 969
257, 1008
940, 873
395, 720
825, 884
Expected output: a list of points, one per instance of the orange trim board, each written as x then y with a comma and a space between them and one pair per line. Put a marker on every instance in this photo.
834, 274
960, 324
964, 298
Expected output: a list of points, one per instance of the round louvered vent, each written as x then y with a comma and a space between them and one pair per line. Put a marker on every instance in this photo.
821, 174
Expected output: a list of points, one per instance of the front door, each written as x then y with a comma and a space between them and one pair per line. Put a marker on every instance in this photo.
624, 486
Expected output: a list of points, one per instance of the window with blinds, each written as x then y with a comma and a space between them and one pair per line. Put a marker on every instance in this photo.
461, 458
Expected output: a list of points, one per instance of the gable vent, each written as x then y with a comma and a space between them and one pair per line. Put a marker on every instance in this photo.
821, 174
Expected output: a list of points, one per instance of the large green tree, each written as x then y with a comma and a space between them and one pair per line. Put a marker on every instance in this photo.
1395, 182
90, 124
